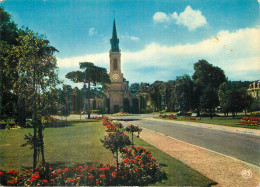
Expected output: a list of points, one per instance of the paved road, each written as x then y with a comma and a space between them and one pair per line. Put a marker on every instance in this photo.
242, 146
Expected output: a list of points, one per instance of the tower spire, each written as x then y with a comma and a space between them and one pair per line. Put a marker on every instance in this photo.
114, 41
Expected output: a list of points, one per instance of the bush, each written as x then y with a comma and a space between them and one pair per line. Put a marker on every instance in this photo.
208, 115
132, 128
250, 120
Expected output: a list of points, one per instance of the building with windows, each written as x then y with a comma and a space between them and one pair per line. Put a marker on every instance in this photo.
254, 89
118, 97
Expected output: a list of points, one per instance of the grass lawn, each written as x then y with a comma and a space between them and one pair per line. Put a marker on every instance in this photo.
74, 143
226, 121
78, 142
179, 174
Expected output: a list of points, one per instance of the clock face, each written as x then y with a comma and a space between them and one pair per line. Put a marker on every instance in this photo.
115, 77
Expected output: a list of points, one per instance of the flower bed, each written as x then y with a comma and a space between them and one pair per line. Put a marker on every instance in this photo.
250, 120
170, 116
187, 118
138, 168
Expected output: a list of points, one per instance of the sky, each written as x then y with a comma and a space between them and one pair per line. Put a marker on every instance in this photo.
158, 39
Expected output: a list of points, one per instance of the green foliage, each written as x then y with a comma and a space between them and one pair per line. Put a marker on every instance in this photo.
233, 97
115, 141
155, 96
183, 93
89, 74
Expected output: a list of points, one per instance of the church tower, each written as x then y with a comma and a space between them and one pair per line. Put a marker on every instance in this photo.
118, 90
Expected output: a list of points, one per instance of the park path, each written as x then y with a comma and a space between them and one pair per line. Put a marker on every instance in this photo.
225, 170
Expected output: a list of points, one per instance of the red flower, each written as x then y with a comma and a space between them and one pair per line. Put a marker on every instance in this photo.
10, 172
140, 161
15, 173
136, 169
102, 176
66, 169
1, 173
106, 168
50, 169
71, 180
97, 182
147, 163
54, 173
32, 180
60, 171
101, 169
9, 182
80, 168
90, 177
153, 159
142, 166
82, 176
52, 180
44, 181
114, 174
37, 176
151, 165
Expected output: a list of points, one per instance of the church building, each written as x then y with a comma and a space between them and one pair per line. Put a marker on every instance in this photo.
117, 92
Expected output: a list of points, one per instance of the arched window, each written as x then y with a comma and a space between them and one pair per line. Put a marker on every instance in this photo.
115, 64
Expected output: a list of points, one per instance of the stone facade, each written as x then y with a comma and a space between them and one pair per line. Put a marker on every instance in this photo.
254, 89
117, 92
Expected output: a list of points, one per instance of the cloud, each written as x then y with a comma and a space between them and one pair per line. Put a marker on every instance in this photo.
160, 17
128, 37
92, 31
237, 53
192, 19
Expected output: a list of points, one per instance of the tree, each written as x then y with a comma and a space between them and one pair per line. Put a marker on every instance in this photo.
169, 95
206, 76
37, 75
90, 74
155, 96
233, 97
8, 63
183, 93
209, 100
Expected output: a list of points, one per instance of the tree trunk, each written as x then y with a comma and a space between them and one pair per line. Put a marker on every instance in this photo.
117, 159
132, 138
210, 114
41, 142
89, 100
34, 123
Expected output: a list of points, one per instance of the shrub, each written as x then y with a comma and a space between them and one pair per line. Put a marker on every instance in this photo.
250, 120
132, 128
115, 141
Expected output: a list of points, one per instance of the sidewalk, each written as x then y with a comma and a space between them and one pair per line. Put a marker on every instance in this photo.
255, 132
225, 170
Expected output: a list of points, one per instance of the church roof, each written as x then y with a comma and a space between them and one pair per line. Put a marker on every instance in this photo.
114, 41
